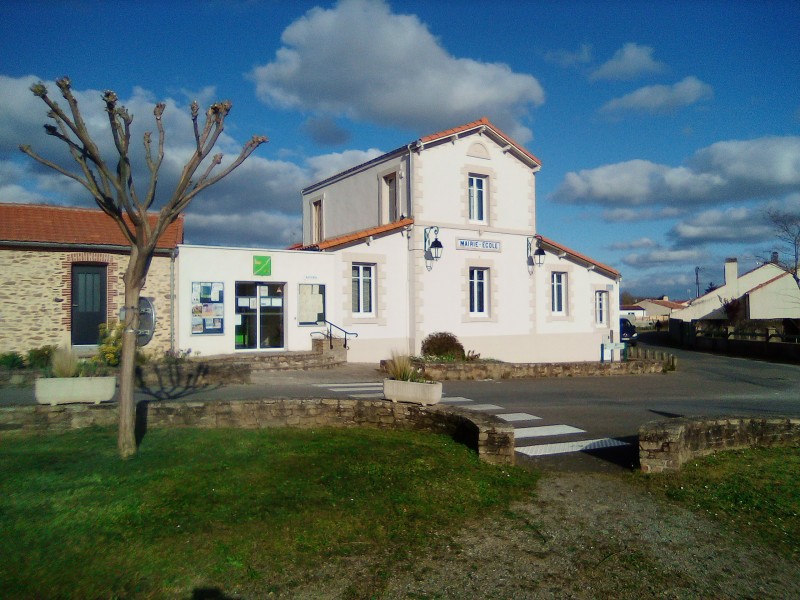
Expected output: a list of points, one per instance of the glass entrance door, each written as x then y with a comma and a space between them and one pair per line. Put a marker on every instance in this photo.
259, 315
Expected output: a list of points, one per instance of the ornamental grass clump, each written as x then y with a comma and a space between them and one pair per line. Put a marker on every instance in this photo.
64, 363
402, 368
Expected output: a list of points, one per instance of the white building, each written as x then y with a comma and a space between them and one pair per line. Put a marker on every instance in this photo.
766, 292
371, 239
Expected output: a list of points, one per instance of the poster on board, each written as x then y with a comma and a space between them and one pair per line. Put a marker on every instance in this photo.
208, 307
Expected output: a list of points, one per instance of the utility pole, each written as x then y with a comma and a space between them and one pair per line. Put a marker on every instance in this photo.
697, 281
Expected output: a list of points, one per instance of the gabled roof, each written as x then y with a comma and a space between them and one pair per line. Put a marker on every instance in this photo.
665, 303
630, 307
45, 225
357, 236
419, 144
766, 283
483, 122
577, 255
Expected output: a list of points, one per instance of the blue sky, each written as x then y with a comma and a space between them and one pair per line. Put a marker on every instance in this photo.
665, 129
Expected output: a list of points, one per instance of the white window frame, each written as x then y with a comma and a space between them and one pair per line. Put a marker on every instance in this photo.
601, 308
558, 292
478, 187
478, 292
362, 274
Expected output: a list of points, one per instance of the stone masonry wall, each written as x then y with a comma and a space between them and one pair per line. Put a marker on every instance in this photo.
488, 370
666, 445
491, 437
36, 302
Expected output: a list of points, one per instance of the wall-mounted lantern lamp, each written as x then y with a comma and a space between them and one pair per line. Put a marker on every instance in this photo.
534, 258
433, 248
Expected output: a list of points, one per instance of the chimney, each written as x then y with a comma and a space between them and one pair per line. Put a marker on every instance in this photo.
732, 277
774, 258
665, 298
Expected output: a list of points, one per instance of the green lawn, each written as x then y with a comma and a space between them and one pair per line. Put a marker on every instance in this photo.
227, 509
753, 491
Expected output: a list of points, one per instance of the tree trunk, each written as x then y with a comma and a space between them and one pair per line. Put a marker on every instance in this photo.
134, 281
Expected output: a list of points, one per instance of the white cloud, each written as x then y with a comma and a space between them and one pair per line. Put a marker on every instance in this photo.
661, 98
735, 224
627, 215
362, 61
726, 171
325, 165
658, 258
629, 62
569, 58
644, 242
256, 205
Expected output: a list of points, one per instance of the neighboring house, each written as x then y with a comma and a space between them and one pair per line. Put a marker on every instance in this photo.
61, 277
766, 293
660, 309
632, 311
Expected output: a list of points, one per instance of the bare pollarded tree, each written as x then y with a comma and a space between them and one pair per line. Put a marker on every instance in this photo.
786, 226
111, 184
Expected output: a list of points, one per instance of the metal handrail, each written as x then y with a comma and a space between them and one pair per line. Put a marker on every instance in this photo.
331, 327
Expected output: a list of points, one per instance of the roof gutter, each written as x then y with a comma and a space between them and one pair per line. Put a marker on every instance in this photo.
67, 246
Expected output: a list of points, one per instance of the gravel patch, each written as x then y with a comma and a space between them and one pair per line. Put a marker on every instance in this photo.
585, 535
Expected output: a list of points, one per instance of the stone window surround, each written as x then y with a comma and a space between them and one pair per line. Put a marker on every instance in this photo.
379, 286
490, 193
569, 308
493, 296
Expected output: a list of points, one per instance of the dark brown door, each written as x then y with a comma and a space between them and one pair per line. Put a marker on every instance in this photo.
88, 303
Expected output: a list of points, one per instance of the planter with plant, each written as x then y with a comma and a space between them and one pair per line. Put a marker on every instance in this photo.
407, 384
71, 380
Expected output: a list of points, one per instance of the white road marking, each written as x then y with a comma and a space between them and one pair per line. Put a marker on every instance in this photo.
513, 417
374, 395
455, 399
567, 447
478, 407
544, 431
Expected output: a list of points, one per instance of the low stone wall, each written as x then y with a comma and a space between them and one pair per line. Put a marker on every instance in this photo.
490, 437
478, 370
666, 445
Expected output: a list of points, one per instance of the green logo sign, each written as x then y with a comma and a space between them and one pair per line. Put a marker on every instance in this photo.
262, 265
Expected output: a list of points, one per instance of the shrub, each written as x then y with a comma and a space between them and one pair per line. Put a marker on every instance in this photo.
39, 358
109, 351
12, 360
65, 363
443, 344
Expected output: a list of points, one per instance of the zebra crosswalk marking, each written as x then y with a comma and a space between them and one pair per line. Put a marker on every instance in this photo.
545, 430
514, 417
569, 447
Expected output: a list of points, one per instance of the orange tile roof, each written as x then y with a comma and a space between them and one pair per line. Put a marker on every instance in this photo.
577, 255
668, 303
358, 235
482, 122
45, 224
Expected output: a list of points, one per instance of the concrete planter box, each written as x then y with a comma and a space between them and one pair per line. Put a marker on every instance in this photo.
411, 391
64, 390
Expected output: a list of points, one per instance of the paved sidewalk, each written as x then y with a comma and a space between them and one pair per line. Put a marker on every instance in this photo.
272, 384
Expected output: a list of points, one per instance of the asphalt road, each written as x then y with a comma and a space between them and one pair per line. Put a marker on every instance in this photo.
600, 407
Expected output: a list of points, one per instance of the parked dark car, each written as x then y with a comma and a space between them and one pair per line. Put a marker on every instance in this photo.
627, 332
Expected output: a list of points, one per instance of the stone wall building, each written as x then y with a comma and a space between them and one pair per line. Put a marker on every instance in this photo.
61, 275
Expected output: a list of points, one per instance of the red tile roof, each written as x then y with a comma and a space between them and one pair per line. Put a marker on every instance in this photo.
357, 236
482, 122
577, 255
668, 304
44, 224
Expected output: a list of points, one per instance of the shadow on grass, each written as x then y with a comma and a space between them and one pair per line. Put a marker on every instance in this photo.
209, 594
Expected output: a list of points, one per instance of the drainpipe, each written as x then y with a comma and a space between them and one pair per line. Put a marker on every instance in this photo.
411, 307
172, 256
